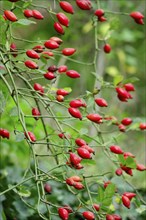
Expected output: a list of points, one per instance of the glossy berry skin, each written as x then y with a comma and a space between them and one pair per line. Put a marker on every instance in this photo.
99, 12
48, 188
57, 40
76, 178
60, 98
38, 48
52, 68
72, 74
49, 75
30, 135
95, 118
126, 121
101, 102
102, 19
62, 92
88, 215
75, 159
50, 44
127, 170
62, 69
136, 15
70, 181
123, 95
78, 186
28, 13
68, 51
139, 21
58, 27
63, 213
35, 112
96, 207
83, 153
122, 127
130, 195
10, 15
13, 49
128, 154
31, 64
38, 88
116, 149
126, 201
119, 172
67, 7
32, 54
75, 113
109, 217
140, 167
142, 126
4, 133
89, 149
80, 142
63, 19
84, 4
68, 208
117, 217
47, 54
37, 15
77, 103
107, 48
129, 87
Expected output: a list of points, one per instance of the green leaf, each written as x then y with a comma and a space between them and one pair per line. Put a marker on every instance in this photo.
117, 79
26, 4
107, 202
130, 162
23, 191
89, 162
24, 22
130, 80
14, 112
100, 194
19, 137
2, 102
141, 209
110, 190
121, 159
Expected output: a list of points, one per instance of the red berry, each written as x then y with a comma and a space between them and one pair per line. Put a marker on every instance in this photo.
101, 102
130, 195
32, 54
80, 142
78, 166
51, 44
88, 215
28, 13
38, 88
47, 54
96, 207
122, 93
95, 118
136, 15
52, 68
4, 133
99, 12
142, 126
117, 217
10, 15
88, 148
127, 170
70, 182
48, 188
49, 75
62, 92
31, 64
78, 185
140, 167
119, 172
109, 217
68, 208
38, 48
84, 4
13, 49
63, 19
63, 136
63, 213
37, 14
60, 98
121, 127
36, 112
116, 149
83, 153
75, 159
126, 121
129, 87
68, 51
57, 40
139, 21
76, 178
128, 154
106, 183
77, 103
75, 113
30, 135
62, 69
73, 74
67, 7
58, 28
102, 19
107, 48
126, 201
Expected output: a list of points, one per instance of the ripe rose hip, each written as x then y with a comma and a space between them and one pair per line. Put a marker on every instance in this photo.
73, 74
10, 16
68, 51
84, 4
107, 48
28, 13
119, 172
142, 126
95, 118
35, 112
128, 154
101, 102
99, 12
83, 153
47, 54
62, 92
67, 7
122, 127
37, 15
58, 27
63, 19
60, 98
89, 149
68, 208
13, 49
70, 182
52, 68
116, 149
76, 178
136, 15
62, 69
63, 213
51, 44
48, 188
129, 87
4, 133
31, 64
139, 21
130, 195
88, 215
75, 159
49, 75
96, 207
57, 40
77, 103
75, 113
38, 48
109, 217
126, 201
102, 19
30, 135
32, 54
78, 185
117, 217
38, 88
140, 167
126, 121
127, 170
80, 142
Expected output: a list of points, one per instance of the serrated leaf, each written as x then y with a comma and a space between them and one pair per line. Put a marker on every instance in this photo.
130, 162
20, 137
109, 191
117, 79
100, 194
107, 201
121, 159
2, 102
24, 22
